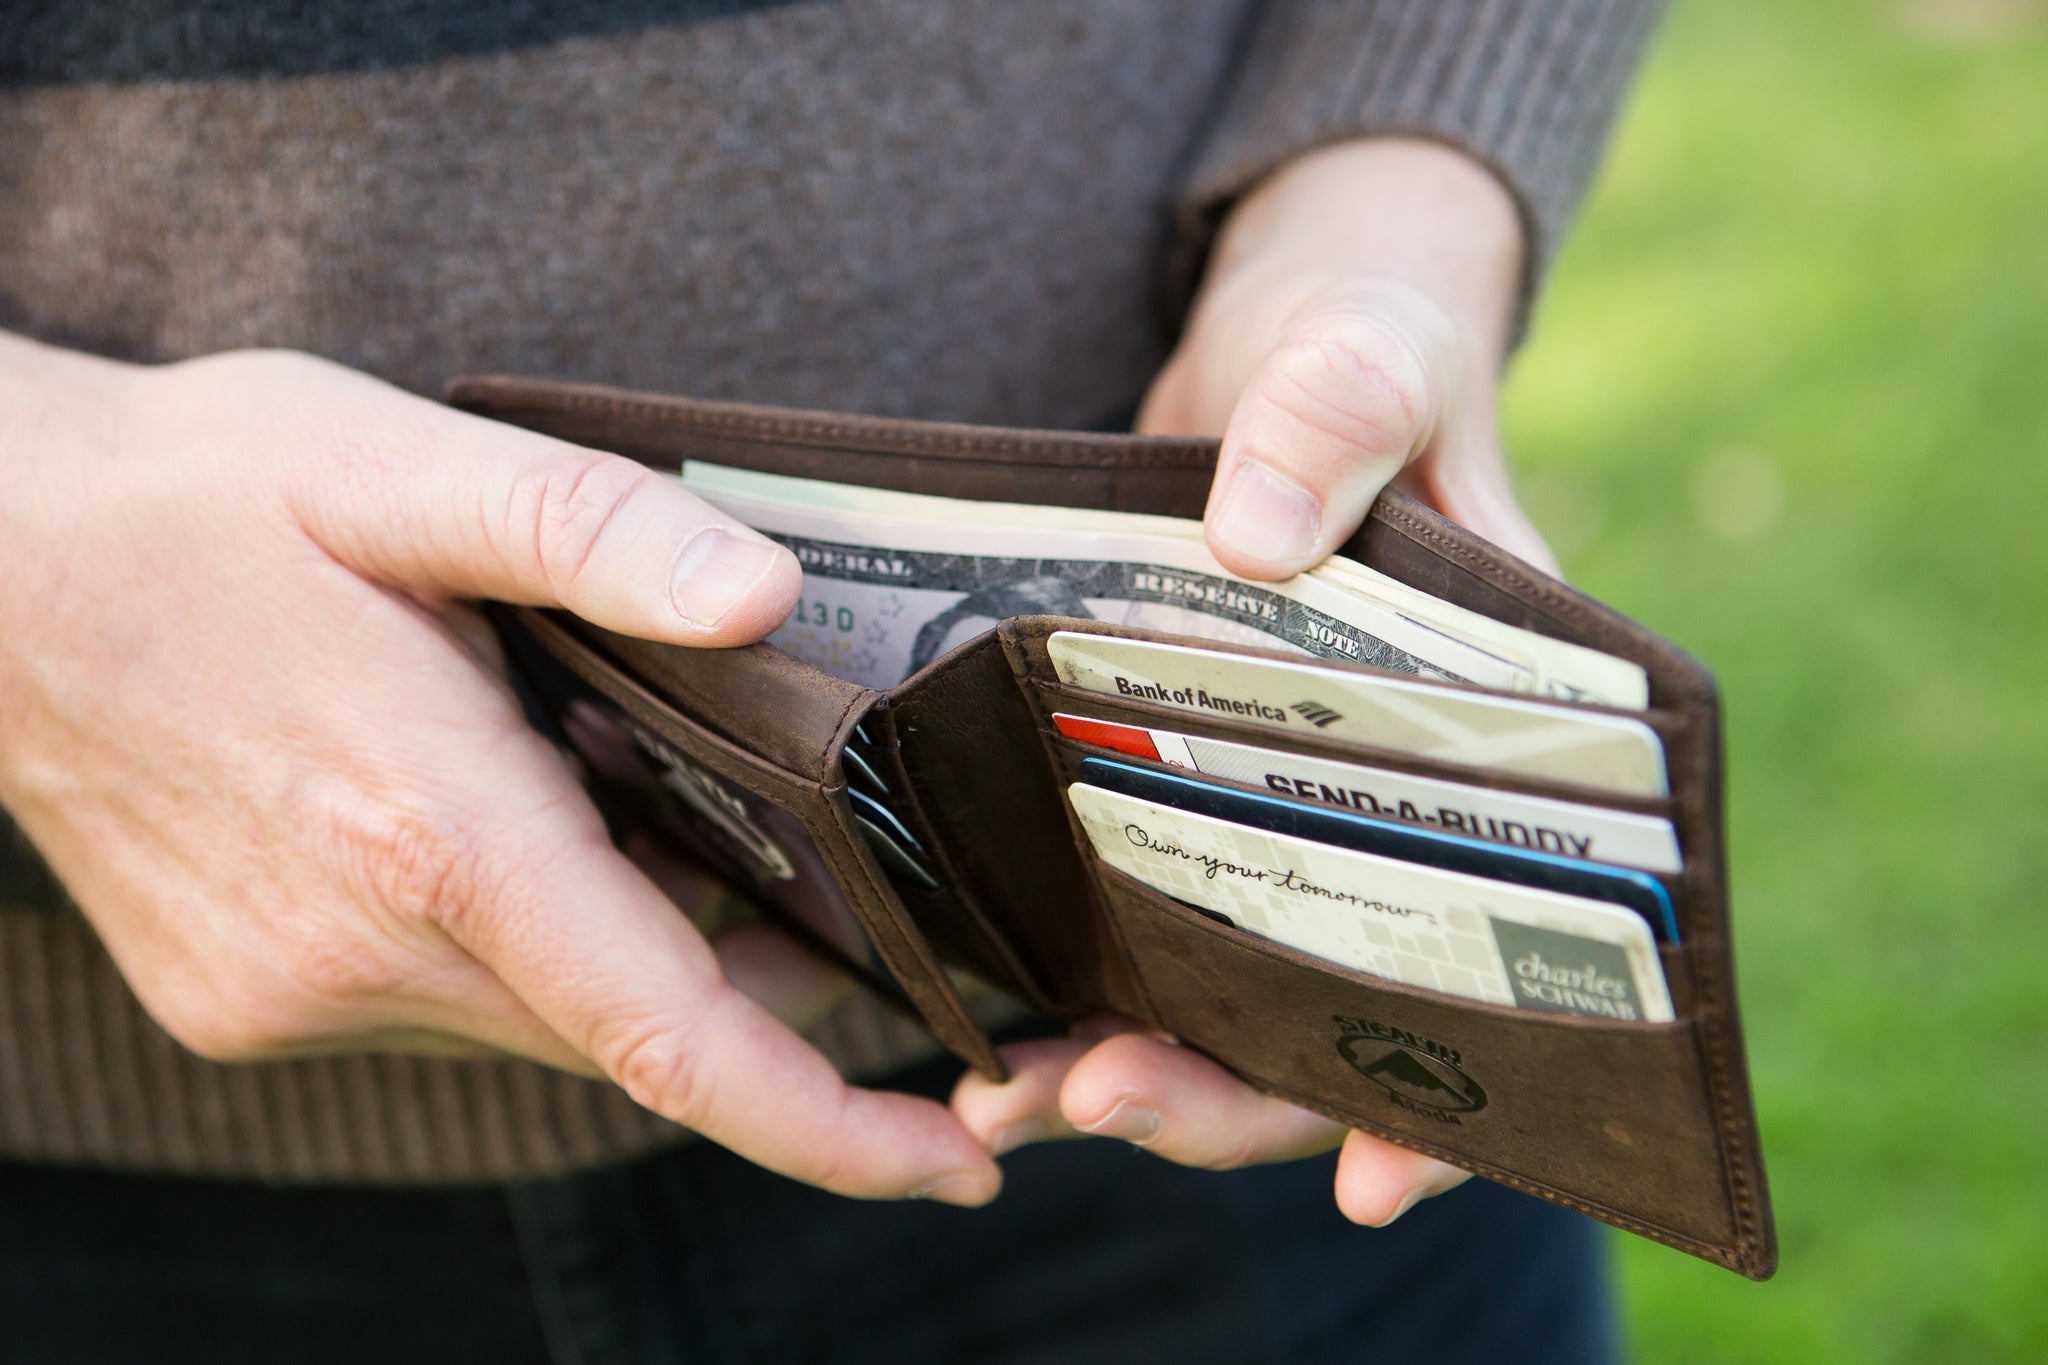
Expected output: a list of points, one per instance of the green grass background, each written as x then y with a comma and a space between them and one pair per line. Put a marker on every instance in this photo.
1787, 401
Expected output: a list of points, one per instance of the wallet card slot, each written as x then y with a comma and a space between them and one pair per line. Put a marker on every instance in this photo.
1120, 884
951, 911
1027, 637
1069, 753
971, 747
1690, 740
781, 712
1677, 963
1058, 696
1425, 550
802, 830
1613, 1119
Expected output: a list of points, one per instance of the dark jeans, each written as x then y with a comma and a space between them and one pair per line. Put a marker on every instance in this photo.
1094, 1252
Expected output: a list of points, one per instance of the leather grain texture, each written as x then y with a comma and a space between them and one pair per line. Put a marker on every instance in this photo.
1646, 1126
814, 793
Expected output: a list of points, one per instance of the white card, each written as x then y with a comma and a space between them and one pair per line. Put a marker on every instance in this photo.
1443, 931
1565, 828
1457, 725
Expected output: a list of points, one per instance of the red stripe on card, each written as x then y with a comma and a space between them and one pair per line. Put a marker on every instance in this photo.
1129, 739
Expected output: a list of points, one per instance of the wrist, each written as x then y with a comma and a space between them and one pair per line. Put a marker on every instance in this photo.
57, 407
1397, 211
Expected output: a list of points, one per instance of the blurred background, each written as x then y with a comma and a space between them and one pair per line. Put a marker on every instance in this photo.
1787, 402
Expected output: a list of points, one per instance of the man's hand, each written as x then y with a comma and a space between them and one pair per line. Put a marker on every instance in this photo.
245, 715
1349, 334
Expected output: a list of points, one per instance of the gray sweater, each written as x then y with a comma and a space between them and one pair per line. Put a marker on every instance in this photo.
989, 212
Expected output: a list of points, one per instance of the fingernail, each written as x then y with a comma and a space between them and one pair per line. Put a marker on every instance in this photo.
1022, 1133
1408, 1201
715, 573
1131, 1121
963, 1191
1264, 515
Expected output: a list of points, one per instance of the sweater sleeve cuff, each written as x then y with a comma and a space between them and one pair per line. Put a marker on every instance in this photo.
1528, 88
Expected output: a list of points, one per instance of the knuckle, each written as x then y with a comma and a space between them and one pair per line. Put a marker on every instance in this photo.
249, 366
333, 439
276, 386
365, 454
571, 504
216, 1039
329, 971
1356, 380
659, 1061
838, 1167
234, 1024
231, 1000
408, 856
657, 1069
1238, 1154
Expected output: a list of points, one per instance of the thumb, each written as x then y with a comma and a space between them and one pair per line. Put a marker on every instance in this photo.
1356, 388
464, 507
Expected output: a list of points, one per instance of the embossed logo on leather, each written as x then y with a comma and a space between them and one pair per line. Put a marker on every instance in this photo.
718, 803
1420, 1075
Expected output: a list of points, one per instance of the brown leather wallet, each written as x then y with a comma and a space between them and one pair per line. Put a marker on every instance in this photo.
743, 755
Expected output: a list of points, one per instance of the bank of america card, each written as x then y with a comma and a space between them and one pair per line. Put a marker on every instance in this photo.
1637, 891
1565, 828
1591, 749
1444, 931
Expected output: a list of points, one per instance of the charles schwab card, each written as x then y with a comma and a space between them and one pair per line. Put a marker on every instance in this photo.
1637, 891
1443, 931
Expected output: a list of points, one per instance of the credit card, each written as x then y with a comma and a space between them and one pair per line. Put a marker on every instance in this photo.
1611, 753
1564, 828
1461, 935
897, 848
1637, 891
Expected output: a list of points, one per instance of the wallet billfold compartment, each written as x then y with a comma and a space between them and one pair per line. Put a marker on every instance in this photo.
743, 757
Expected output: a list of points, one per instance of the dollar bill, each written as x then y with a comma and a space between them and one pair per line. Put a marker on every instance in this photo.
894, 580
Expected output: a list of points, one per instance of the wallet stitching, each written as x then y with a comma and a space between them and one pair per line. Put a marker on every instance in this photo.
1711, 988
1083, 848
1566, 607
1740, 1250
1744, 1250
1738, 1256
930, 979
863, 440
934, 979
1734, 1151
839, 726
1741, 1195
946, 837
1707, 976
1563, 608
892, 943
1710, 979
1707, 1015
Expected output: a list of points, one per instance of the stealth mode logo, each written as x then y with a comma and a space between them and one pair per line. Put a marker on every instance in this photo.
1420, 1074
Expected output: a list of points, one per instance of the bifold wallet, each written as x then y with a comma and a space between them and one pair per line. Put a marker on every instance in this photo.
742, 757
